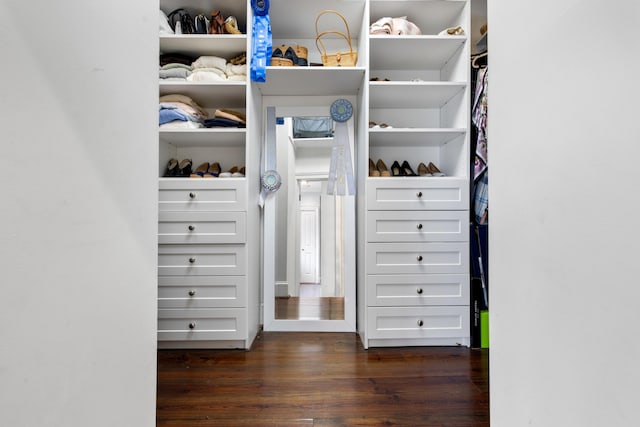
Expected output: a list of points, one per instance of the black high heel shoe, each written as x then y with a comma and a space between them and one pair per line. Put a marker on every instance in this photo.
172, 168
396, 170
407, 169
184, 169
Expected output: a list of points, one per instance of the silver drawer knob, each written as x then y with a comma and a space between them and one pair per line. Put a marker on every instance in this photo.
419, 290
192, 227
192, 195
419, 258
192, 325
420, 323
192, 260
419, 226
419, 194
192, 292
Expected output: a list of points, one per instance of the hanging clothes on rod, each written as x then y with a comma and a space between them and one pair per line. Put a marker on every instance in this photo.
479, 119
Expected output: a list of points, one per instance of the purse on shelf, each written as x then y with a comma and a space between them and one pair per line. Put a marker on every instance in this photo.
338, 59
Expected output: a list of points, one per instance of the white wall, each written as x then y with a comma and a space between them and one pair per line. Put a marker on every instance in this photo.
78, 113
564, 150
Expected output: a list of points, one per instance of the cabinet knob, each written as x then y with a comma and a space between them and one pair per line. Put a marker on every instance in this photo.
419, 194
192, 227
419, 258
192, 195
419, 291
192, 260
192, 325
192, 292
420, 323
419, 226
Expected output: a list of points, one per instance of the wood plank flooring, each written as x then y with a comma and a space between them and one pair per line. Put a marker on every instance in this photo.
323, 379
310, 308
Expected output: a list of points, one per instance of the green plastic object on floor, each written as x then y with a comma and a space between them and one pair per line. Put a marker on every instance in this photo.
484, 328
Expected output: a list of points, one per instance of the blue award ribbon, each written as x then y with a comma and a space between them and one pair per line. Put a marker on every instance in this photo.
261, 48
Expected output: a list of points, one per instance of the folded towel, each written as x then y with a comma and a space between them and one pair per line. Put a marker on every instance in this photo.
207, 75
174, 73
210, 62
231, 115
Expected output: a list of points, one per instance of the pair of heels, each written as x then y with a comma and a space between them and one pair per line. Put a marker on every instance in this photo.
234, 172
206, 170
402, 170
429, 170
285, 56
378, 169
176, 169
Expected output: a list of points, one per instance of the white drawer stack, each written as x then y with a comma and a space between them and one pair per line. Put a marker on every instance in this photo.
202, 263
417, 262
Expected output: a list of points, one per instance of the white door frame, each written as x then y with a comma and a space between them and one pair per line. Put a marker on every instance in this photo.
290, 106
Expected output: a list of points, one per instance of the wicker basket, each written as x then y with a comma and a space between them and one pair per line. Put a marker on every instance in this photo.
338, 59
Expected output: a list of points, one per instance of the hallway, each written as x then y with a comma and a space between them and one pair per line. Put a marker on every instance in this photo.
323, 379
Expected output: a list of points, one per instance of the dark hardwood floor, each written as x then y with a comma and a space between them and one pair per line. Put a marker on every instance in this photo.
323, 379
310, 308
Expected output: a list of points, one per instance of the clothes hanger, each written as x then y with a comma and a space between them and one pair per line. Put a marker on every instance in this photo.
475, 58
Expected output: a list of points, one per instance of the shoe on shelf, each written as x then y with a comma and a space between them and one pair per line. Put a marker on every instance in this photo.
213, 171
382, 168
172, 168
200, 170
373, 171
229, 173
453, 31
239, 173
396, 170
423, 170
184, 169
406, 169
434, 170
231, 25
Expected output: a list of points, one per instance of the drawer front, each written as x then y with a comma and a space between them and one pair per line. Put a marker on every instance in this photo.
418, 322
418, 194
418, 258
418, 290
417, 226
202, 291
202, 324
202, 194
201, 260
202, 227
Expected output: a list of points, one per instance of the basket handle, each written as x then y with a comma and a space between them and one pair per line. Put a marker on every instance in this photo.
324, 33
319, 35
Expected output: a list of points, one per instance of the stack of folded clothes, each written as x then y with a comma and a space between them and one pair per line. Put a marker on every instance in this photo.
227, 118
207, 69
179, 111
175, 66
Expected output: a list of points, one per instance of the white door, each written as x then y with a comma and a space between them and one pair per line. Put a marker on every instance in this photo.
309, 238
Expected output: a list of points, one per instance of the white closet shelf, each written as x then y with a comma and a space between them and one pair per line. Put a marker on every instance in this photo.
229, 94
226, 45
296, 19
413, 137
312, 81
312, 142
397, 94
410, 52
209, 137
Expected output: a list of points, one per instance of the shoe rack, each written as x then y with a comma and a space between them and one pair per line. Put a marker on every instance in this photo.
414, 271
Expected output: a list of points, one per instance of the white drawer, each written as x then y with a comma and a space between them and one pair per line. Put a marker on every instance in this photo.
418, 258
202, 291
417, 226
200, 194
417, 290
201, 260
202, 227
202, 324
418, 322
415, 193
